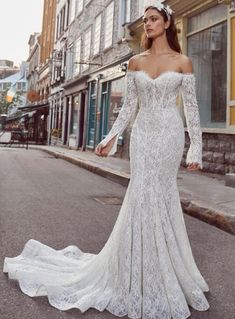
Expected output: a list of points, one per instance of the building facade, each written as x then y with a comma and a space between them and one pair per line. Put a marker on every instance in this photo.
40, 53
33, 63
98, 40
18, 83
64, 17
7, 68
95, 57
46, 44
207, 34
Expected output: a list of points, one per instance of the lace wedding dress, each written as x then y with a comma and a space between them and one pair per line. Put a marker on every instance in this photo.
146, 269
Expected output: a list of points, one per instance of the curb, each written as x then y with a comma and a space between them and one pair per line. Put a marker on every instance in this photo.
192, 208
218, 219
119, 178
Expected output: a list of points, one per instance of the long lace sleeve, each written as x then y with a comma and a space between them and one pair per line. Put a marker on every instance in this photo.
128, 108
188, 90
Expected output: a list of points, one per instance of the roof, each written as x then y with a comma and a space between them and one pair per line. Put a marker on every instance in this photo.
17, 77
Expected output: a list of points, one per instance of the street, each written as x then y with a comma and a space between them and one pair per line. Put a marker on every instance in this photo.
60, 204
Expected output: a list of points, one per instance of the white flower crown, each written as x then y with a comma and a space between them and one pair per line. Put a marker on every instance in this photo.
160, 6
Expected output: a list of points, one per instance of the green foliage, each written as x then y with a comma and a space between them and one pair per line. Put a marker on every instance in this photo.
4, 105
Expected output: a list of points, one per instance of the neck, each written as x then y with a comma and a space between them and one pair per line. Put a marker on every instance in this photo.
160, 45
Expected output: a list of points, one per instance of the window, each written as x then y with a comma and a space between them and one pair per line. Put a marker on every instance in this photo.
91, 115
77, 56
142, 5
109, 25
207, 47
97, 34
125, 11
57, 26
74, 116
79, 6
87, 47
124, 16
117, 94
70, 61
67, 13
72, 10
62, 20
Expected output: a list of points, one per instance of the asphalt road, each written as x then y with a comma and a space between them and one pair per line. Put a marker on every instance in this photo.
59, 204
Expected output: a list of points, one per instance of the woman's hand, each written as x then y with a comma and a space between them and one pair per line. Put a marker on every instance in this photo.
103, 151
193, 167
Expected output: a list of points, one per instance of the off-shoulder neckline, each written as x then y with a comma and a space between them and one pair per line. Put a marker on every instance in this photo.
133, 72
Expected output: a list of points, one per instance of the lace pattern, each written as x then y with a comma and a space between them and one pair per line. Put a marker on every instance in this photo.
146, 268
191, 111
128, 109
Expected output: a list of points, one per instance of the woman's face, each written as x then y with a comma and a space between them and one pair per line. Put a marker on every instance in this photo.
154, 24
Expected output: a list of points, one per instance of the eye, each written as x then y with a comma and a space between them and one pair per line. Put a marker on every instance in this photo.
145, 21
154, 18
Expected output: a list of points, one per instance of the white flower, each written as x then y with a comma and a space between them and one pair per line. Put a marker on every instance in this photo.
159, 5
169, 10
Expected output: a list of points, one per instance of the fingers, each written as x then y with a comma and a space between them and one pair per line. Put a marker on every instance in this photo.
100, 151
193, 166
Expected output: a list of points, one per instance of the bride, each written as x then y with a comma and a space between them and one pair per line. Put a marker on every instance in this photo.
146, 268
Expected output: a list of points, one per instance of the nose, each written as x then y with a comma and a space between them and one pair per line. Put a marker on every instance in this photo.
147, 24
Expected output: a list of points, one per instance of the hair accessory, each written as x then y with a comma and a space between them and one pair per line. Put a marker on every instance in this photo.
160, 6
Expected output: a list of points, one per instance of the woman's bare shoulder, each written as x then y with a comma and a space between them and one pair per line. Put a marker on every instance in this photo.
135, 61
185, 64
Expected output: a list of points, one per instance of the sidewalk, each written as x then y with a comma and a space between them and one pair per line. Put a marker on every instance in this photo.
202, 195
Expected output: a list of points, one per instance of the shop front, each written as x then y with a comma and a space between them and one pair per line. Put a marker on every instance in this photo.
74, 113
206, 30
106, 97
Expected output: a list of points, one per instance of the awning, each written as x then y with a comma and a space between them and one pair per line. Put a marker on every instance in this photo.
34, 107
20, 116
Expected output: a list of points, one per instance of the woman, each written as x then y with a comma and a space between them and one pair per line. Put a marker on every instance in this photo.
146, 269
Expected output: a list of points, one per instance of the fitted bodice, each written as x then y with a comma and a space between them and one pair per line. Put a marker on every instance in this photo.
157, 93
155, 97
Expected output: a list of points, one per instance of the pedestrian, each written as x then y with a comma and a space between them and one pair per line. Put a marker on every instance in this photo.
146, 269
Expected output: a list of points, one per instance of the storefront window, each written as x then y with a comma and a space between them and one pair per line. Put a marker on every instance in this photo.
116, 98
92, 115
117, 93
74, 116
207, 47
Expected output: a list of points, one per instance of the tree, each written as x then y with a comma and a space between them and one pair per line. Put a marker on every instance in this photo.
6, 106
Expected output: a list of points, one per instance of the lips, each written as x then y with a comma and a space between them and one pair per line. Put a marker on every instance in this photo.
148, 30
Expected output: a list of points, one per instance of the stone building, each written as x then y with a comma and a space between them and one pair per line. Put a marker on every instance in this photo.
207, 32
99, 40
65, 13
7, 68
95, 55
46, 47
39, 76
33, 63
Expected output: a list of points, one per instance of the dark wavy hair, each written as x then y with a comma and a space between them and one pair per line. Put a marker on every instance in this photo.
171, 33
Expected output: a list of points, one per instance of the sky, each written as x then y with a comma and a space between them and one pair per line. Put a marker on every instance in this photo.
18, 19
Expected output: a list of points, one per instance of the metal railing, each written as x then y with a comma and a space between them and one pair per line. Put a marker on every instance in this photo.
14, 137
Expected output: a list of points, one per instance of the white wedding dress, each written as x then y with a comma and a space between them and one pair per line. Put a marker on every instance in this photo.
146, 269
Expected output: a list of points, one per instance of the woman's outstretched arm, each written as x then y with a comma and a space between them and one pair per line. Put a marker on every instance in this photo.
191, 111
108, 146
